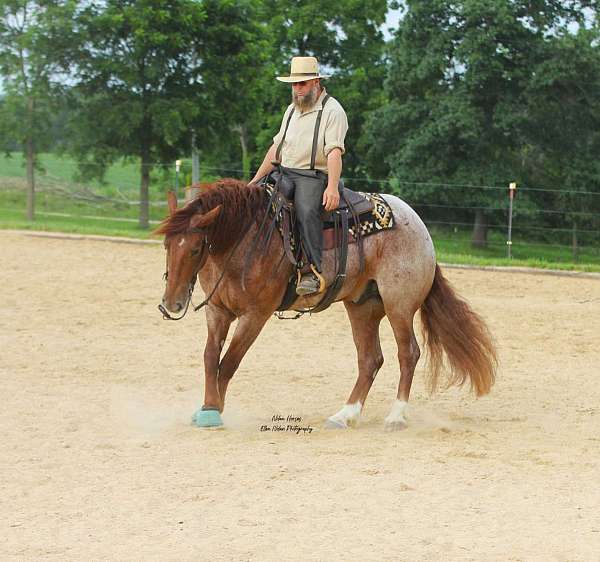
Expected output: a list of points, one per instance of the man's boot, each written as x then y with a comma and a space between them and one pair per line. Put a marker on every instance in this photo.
310, 282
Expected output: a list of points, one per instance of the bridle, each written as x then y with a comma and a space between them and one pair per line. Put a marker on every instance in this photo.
206, 247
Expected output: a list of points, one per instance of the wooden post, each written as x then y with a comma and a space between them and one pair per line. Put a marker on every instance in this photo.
177, 167
192, 191
574, 244
511, 195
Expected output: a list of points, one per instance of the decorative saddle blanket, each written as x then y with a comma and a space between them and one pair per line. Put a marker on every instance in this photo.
379, 218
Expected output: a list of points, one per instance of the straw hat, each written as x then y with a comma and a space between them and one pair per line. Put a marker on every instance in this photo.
303, 68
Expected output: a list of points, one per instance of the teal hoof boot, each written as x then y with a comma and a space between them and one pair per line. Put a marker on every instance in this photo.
207, 418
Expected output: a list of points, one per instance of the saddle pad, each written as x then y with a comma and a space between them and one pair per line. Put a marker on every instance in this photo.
378, 219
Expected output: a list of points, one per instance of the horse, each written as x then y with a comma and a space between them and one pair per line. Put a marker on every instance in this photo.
210, 238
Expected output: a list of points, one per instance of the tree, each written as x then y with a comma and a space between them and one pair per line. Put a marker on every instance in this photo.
235, 63
136, 67
345, 35
456, 99
563, 131
32, 34
152, 74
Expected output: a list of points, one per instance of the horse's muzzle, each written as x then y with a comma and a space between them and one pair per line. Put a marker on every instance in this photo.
173, 307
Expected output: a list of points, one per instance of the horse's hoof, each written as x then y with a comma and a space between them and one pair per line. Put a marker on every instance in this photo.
207, 418
395, 425
335, 423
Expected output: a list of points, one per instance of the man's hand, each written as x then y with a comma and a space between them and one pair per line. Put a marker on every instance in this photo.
331, 198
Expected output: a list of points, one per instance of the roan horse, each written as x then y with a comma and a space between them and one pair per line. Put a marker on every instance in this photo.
210, 237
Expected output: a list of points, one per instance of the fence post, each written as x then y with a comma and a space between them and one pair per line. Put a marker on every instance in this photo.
193, 190
512, 187
177, 166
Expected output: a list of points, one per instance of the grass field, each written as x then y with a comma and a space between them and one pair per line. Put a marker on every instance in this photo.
121, 181
65, 205
63, 169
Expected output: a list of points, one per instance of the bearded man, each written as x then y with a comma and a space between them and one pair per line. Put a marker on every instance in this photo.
309, 148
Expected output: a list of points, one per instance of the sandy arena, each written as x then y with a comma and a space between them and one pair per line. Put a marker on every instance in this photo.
99, 461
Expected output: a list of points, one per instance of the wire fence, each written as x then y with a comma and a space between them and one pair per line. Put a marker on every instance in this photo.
548, 223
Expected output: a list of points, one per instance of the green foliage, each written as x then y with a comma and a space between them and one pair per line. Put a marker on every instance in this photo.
474, 93
120, 181
346, 37
470, 88
134, 64
562, 131
31, 36
148, 73
31, 33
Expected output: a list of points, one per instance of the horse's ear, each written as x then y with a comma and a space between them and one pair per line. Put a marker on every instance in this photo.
202, 221
172, 201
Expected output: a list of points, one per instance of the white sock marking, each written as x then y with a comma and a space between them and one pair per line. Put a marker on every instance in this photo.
397, 412
349, 413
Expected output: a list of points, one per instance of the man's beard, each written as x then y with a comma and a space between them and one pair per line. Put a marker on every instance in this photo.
306, 102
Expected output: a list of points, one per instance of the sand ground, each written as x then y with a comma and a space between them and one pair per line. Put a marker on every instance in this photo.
99, 461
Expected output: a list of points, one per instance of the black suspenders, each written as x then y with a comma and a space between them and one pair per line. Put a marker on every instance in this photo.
287, 125
313, 155
316, 134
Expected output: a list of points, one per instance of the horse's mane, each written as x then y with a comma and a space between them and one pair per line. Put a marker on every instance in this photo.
241, 204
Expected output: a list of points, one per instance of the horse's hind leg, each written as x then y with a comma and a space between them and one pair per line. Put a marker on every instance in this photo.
408, 356
365, 320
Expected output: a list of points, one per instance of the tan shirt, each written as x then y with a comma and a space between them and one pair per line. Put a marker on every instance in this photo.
297, 147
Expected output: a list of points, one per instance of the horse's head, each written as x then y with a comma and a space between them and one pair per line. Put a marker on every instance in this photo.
187, 245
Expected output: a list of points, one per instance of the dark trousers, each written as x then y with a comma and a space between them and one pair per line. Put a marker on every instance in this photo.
306, 188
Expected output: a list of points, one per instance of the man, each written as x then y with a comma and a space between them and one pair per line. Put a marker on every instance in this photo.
309, 147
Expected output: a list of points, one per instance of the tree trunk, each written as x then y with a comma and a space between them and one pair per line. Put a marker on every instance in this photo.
30, 163
195, 161
480, 230
243, 132
145, 188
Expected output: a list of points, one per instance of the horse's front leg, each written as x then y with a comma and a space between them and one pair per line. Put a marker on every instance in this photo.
218, 321
247, 330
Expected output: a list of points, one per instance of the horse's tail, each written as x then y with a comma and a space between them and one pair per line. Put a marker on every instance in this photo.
451, 326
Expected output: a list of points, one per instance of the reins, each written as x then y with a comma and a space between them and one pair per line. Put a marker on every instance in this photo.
207, 299
165, 312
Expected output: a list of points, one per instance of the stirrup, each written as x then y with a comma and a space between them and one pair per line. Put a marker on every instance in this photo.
317, 290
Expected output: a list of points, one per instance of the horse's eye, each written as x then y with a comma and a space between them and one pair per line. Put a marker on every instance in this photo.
195, 252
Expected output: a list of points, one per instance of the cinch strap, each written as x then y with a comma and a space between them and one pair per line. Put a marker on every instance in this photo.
313, 155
